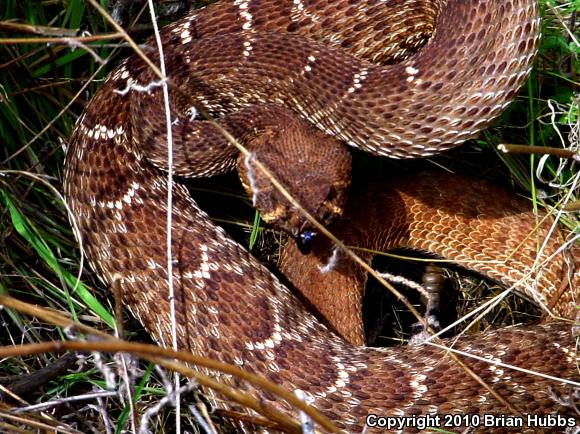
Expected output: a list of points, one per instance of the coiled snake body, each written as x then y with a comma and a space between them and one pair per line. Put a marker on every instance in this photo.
234, 58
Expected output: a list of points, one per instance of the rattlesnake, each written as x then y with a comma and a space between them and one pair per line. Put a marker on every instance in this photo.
472, 222
230, 59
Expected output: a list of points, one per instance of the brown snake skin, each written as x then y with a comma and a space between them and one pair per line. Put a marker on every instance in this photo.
479, 227
232, 57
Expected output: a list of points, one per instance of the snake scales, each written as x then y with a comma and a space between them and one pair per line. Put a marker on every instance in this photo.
234, 60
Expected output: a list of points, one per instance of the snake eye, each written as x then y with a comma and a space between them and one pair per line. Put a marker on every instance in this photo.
304, 241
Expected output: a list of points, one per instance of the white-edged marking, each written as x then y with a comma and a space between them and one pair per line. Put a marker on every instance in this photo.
127, 197
203, 271
412, 72
186, 37
297, 7
101, 131
358, 79
300, 11
418, 385
247, 48
132, 85
244, 14
309, 62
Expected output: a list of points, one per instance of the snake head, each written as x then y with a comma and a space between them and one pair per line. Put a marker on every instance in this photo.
313, 167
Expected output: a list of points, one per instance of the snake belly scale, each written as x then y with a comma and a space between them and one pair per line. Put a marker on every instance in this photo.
299, 54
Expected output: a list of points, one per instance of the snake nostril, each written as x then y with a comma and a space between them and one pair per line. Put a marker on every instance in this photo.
304, 241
